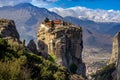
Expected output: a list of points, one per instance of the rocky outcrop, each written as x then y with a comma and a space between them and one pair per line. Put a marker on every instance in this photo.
65, 43
118, 67
115, 49
115, 58
32, 47
8, 29
118, 56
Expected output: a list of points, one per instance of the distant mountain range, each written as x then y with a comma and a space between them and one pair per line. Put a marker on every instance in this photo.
97, 15
100, 33
28, 18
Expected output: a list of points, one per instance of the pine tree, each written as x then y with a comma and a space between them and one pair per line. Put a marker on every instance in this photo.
52, 24
46, 20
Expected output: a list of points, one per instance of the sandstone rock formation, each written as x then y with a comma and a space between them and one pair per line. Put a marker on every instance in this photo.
118, 56
8, 29
65, 42
32, 47
115, 49
118, 66
115, 58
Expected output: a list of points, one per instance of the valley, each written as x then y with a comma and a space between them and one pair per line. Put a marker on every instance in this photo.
97, 35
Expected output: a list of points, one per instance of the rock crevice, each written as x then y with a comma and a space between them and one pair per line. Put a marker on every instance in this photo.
65, 43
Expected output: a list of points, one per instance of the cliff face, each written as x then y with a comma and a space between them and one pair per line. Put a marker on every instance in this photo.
65, 43
118, 65
118, 57
32, 46
115, 49
115, 58
8, 29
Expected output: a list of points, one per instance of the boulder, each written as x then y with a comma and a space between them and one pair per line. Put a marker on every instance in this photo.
8, 30
32, 47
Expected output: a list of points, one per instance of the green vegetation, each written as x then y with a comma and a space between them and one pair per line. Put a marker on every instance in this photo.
11, 63
52, 25
105, 73
5, 50
13, 70
52, 57
16, 63
46, 20
4, 22
73, 68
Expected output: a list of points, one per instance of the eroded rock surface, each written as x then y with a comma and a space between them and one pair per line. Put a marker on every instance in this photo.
8, 29
32, 46
115, 49
65, 43
115, 58
118, 68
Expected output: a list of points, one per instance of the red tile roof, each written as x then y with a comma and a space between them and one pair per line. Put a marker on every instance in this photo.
55, 22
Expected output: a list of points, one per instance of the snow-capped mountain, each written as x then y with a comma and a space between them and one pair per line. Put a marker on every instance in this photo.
97, 15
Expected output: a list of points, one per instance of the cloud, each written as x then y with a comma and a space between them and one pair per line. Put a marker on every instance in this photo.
85, 0
35, 2
97, 15
73, 0
39, 3
12, 2
51, 0
42, 3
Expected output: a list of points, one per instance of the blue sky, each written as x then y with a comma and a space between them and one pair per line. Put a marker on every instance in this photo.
101, 4
93, 4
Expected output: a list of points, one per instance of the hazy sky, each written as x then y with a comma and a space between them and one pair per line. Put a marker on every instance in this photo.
94, 4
